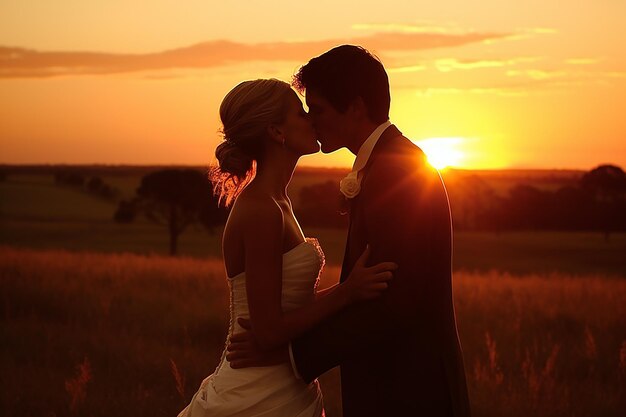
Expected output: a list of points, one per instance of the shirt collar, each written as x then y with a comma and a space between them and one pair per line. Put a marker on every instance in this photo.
365, 150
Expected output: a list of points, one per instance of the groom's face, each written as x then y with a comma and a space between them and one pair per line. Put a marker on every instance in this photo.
330, 125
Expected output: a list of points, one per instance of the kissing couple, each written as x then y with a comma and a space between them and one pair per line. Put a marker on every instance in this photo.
389, 324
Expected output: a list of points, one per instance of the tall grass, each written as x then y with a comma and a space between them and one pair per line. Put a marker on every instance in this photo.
114, 335
543, 345
130, 317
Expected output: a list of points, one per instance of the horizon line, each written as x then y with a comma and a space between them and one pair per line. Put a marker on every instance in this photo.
320, 167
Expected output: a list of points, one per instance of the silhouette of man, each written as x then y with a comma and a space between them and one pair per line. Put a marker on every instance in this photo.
399, 354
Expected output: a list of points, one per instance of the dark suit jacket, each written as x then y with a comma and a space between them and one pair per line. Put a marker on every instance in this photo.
399, 354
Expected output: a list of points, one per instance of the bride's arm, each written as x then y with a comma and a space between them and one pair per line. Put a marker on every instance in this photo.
324, 292
263, 242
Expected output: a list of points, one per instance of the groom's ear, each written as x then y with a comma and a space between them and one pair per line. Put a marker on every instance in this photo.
357, 108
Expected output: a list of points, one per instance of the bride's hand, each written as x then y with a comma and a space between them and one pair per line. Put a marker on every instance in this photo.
366, 283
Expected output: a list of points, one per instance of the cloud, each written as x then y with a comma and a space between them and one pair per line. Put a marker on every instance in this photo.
582, 61
528, 33
451, 64
578, 76
447, 65
29, 63
499, 91
526, 83
536, 74
542, 31
409, 68
420, 27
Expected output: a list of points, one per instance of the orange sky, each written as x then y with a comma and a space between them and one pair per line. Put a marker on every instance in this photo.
494, 83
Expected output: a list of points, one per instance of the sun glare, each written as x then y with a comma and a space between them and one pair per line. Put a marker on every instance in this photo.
442, 152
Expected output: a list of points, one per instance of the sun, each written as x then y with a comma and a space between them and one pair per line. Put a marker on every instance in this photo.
442, 152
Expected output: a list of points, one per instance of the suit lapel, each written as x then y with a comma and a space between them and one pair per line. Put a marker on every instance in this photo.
382, 144
354, 239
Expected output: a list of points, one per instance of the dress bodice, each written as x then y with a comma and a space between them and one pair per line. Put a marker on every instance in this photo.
301, 270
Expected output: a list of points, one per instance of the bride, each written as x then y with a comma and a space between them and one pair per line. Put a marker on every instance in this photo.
273, 269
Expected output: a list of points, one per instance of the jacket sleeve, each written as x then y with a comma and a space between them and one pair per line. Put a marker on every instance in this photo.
408, 222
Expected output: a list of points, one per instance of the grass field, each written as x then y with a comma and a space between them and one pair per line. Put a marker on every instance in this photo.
36, 213
121, 334
96, 321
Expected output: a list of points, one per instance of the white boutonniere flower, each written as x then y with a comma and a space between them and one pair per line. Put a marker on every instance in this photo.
350, 186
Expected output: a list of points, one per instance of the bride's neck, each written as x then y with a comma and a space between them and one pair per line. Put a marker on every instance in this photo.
273, 173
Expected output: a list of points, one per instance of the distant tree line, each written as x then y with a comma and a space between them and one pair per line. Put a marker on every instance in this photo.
179, 198
322, 205
92, 184
597, 202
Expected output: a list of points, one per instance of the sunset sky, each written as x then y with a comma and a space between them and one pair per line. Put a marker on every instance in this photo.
479, 84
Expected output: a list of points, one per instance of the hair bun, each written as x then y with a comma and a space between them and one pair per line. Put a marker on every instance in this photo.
246, 112
233, 160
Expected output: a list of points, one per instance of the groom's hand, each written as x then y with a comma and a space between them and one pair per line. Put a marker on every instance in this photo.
244, 352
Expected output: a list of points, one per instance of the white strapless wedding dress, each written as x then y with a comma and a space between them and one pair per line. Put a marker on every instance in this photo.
270, 391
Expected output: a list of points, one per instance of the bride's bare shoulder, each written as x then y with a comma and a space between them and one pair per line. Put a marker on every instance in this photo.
252, 205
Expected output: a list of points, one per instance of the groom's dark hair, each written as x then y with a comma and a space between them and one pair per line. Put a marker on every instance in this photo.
345, 73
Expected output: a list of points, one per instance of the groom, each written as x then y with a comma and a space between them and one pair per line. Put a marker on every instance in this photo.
399, 354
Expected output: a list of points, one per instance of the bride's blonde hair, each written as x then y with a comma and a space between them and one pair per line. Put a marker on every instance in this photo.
246, 112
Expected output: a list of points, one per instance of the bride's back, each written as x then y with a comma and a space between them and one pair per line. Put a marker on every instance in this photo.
233, 248
245, 210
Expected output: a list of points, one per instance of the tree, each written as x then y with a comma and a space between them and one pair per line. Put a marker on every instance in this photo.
175, 198
471, 198
607, 183
96, 186
527, 207
125, 212
573, 209
321, 205
69, 177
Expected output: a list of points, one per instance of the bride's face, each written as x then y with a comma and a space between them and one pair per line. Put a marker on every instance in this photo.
298, 130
